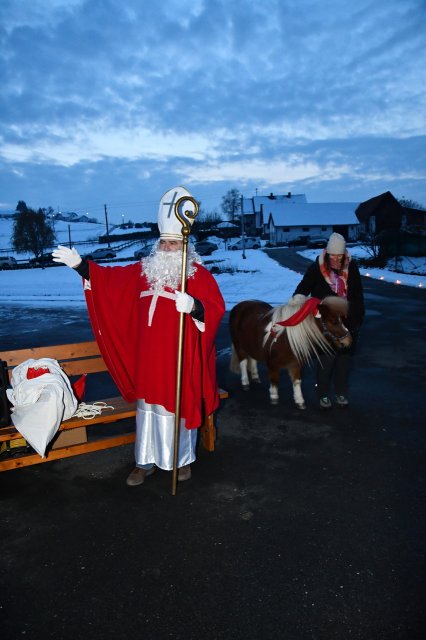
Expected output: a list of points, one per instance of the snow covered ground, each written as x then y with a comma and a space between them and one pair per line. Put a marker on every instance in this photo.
257, 276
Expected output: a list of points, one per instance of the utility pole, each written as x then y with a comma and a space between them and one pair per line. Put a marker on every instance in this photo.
106, 223
69, 236
243, 234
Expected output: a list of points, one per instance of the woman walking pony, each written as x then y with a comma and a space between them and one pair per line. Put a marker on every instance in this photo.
334, 273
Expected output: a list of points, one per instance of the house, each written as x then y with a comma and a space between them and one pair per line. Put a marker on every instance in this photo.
385, 213
381, 213
253, 210
287, 221
283, 218
413, 220
402, 230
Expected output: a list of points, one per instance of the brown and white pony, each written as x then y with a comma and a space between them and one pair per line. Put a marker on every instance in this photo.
258, 336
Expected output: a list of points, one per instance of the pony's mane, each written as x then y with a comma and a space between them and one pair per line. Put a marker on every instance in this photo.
305, 338
338, 306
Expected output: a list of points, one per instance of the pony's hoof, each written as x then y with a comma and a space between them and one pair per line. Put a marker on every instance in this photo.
256, 380
274, 400
246, 387
302, 407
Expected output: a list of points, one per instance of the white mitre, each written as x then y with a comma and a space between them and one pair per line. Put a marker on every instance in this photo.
168, 224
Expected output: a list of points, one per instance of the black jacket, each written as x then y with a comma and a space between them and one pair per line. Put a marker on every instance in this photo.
314, 284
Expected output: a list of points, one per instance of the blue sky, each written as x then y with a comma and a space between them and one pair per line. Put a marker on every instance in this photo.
115, 101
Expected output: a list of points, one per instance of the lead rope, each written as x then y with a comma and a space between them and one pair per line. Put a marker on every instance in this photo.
89, 411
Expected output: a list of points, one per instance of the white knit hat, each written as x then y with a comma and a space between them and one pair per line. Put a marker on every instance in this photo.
168, 224
336, 244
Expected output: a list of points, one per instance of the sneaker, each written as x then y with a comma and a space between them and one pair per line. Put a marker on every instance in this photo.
184, 473
138, 475
325, 403
342, 401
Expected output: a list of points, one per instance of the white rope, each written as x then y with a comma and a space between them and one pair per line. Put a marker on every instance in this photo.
89, 411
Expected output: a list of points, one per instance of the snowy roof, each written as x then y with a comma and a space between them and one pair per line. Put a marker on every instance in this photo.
226, 225
289, 197
310, 213
251, 205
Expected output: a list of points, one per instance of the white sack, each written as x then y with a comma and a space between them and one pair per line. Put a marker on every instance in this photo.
40, 404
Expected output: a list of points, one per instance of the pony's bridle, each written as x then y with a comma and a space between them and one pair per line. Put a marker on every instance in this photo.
330, 335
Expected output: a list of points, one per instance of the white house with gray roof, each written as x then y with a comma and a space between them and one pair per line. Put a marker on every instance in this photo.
285, 221
282, 218
253, 209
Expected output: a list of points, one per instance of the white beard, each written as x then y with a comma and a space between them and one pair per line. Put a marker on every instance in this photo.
163, 268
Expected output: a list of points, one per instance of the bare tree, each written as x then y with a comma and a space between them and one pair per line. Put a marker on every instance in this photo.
371, 242
411, 204
231, 203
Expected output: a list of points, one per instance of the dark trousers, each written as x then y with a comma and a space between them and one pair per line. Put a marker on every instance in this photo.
333, 368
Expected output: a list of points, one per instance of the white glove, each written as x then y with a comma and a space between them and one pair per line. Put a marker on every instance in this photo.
184, 302
70, 257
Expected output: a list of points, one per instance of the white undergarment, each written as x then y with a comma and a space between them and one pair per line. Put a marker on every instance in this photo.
154, 443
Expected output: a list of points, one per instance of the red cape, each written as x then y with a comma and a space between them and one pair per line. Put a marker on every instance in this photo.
142, 359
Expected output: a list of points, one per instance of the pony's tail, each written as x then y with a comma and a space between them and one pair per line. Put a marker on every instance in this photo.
234, 364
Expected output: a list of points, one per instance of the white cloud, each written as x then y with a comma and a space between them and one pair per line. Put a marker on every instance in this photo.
271, 171
221, 91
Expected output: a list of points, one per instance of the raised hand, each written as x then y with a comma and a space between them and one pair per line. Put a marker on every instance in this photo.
70, 257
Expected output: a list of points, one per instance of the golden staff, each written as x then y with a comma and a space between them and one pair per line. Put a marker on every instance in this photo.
186, 218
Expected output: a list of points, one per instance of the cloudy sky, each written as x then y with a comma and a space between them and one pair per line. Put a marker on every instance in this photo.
115, 101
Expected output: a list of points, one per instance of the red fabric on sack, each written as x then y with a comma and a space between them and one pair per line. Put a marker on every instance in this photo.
310, 306
36, 373
79, 387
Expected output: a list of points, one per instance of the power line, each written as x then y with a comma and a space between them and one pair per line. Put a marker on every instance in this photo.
99, 208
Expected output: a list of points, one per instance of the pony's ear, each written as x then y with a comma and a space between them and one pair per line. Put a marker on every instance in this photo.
318, 313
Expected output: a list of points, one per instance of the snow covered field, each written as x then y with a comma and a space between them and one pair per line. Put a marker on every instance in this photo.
257, 276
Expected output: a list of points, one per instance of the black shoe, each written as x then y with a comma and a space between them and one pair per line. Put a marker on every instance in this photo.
325, 403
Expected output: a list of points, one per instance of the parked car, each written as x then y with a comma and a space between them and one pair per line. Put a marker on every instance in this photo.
298, 241
43, 260
8, 262
205, 247
99, 254
144, 251
249, 243
317, 242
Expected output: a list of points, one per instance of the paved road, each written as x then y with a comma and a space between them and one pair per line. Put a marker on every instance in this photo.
302, 525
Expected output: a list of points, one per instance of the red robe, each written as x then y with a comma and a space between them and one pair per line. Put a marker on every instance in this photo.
142, 359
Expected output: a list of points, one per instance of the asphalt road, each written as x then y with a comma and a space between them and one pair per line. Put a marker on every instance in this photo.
301, 525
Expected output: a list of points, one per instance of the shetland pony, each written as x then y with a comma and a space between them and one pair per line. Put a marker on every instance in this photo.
257, 337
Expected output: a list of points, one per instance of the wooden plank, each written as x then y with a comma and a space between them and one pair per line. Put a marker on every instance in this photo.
208, 433
77, 367
87, 365
9, 433
67, 452
57, 352
208, 429
122, 410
